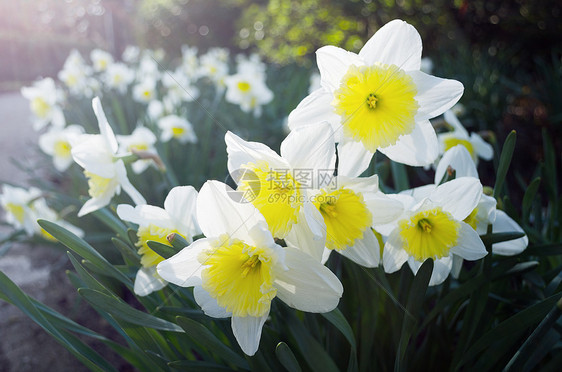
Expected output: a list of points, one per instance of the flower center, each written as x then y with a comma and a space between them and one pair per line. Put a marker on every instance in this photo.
240, 277
429, 234
16, 210
278, 197
243, 86
40, 107
62, 149
390, 104
471, 219
97, 185
451, 142
346, 217
178, 131
151, 232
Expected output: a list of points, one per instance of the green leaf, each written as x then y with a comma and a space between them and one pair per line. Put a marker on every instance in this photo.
399, 176
114, 223
83, 249
130, 256
413, 307
338, 320
120, 309
163, 250
197, 366
199, 334
489, 239
287, 358
529, 197
505, 161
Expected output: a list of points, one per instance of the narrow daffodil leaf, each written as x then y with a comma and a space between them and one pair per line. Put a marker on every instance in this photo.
109, 219
129, 255
529, 197
399, 176
120, 309
163, 250
199, 334
197, 366
83, 249
286, 357
338, 320
505, 161
177, 241
489, 239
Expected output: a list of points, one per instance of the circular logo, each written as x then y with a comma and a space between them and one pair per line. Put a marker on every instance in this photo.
249, 183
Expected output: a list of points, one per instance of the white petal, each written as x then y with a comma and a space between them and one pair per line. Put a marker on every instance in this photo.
452, 120
127, 186
219, 214
147, 281
441, 269
483, 148
310, 148
314, 219
208, 304
383, 209
307, 285
366, 251
469, 245
301, 237
394, 255
459, 197
92, 154
333, 63
418, 148
142, 214
105, 128
316, 108
504, 223
241, 152
247, 331
181, 205
435, 95
460, 160
183, 268
353, 158
94, 204
396, 43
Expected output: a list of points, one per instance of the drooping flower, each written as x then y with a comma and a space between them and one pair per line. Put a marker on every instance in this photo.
238, 269
178, 216
142, 139
57, 143
44, 101
433, 227
173, 126
106, 173
476, 146
379, 99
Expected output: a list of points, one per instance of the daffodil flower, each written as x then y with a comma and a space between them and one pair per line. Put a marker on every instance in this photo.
57, 142
280, 187
173, 126
379, 99
433, 227
248, 90
101, 60
106, 173
145, 91
118, 76
44, 101
238, 269
16, 201
178, 216
142, 139
476, 146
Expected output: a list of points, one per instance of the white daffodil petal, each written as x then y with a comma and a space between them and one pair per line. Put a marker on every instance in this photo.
143, 214
241, 152
353, 158
247, 331
396, 43
307, 285
310, 148
504, 223
302, 238
483, 148
218, 213
452, 120
181, 205
469, 245
333, 63
147, 281
314, 219
435, 95
458, 197
383, 209
183, 268
94, 204
315, 108
460, 160
105, 128
208, 304
418, 148
441, 269
365, 252
127, 186
92, 154
394, 255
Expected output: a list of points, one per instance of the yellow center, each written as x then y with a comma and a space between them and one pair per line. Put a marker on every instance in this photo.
71, 80
147, 93
152, 232
377, 104
178, 131
471, 219
98, 185
62, 149
138, 147
429, 234
451, 142
243, 86
40, 107
240, 277
346, 217
277, 196
16, 210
